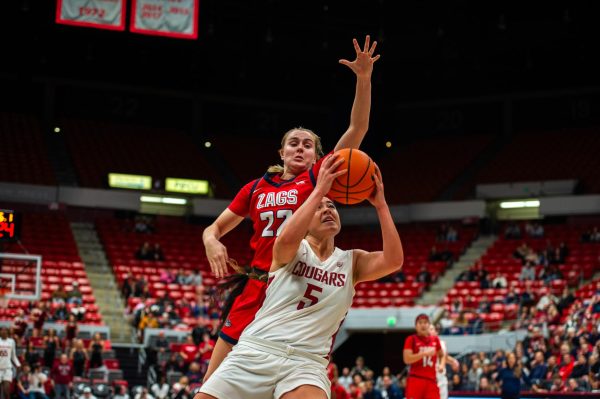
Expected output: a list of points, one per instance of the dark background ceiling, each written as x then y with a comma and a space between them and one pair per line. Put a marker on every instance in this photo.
286, 52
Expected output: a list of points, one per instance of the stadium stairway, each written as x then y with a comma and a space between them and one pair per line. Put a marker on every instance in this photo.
108, 295
438, 290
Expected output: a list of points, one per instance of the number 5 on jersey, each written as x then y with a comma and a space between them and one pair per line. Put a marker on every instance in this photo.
308, 295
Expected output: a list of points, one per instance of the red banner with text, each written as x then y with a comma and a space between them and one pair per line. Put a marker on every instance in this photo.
172, 18
102, 14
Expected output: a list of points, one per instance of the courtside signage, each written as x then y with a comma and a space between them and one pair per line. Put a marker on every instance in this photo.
132, 182
187, 186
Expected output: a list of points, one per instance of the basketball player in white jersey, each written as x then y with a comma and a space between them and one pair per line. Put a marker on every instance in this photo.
8, 357
283, 352
442, 379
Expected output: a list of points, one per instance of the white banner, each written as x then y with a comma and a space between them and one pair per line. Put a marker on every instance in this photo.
103, 14
172, 18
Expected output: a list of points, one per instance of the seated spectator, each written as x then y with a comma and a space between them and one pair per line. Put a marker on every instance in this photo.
75, 295
60, 295
452, 234
205, 350
484, 385
557, 257
424, 276
194, 373
537, 231
359, 367
437, 256
140, 287
581, 367
521, 252
189, 350
538, 368
399, 277
546, 300
368, 390
157, 253
160, 389
61, 313
181, 389
566, 366
564, 250
142, 394
143, 225
527, 272
121, 392
144, 252
550, 273
23, 382
166, 277
499, 281
37, 379
195, 278
512, 232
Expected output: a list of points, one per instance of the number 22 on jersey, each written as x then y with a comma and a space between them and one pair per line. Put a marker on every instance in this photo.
274, 220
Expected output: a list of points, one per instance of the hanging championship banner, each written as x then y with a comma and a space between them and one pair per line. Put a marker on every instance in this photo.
102, 14
172, 18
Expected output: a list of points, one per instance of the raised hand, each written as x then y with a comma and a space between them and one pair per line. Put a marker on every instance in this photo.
377, 197
327, 173
362, 66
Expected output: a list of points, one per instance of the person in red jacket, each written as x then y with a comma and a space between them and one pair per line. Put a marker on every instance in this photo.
421, 351
62, 374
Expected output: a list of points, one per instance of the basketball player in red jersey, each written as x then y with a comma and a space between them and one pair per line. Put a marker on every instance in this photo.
421, 351
271, 200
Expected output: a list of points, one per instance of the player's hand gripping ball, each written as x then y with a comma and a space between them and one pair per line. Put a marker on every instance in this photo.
356, 185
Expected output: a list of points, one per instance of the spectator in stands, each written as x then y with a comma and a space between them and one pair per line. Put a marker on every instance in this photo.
75, 296
581, 367
61, 312
205, 350
37, 379
23, 382
143, 225
359, 367
345, 379
194, 373
193, 277
32, 357
189, 350
499, 281
160, 389
399, 277
142, 394
368, 390
474, 375
96, 348
121, 392
521, 252
485, 385
452, 234
19, 327
538, 368
456, 383
128, 287
161, 344
537, 231
62, 374
546, 300
157, 253
510, 378
436, 256
512, 232
78, 357
60, 295
71, 331
166, 277
144, 252
424, 276
550, 273
564, 250
566, 366
337, 390
51, 345
140, 287
385, 373
78, 311
527, 272
148, 320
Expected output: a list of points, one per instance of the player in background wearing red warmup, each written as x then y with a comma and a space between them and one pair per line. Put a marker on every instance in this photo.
421, 351
271, 200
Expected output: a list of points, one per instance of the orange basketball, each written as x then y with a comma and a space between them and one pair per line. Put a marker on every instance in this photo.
356, 185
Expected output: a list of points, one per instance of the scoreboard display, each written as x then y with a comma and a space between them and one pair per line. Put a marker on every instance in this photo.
10, 225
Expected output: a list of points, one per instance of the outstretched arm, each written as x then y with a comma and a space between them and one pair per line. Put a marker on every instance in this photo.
373, 265
287, 243
216, 252
362, 66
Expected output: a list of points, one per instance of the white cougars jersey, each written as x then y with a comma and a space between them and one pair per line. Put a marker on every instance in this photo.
306, 302
8, 353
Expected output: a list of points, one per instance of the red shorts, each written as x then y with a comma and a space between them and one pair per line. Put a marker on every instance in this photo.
421, 388
243, 310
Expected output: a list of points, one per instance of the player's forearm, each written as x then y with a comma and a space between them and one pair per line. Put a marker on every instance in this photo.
212, 232
393, 253
296, 226
359, 116
410, 358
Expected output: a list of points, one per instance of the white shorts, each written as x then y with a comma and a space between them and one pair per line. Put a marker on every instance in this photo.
6, 374
442, 382
257, 369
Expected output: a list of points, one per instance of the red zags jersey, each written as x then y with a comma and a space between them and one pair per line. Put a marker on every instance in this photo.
270, 201
425, 367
